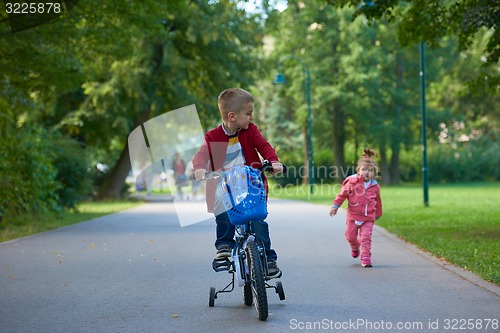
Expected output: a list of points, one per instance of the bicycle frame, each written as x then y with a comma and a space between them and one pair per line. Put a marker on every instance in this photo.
243, 235
238, 266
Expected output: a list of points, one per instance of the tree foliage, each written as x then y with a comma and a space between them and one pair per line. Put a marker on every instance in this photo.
432, 20
28, 173
366, 84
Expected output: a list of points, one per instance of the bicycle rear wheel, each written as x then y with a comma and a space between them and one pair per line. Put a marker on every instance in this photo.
257, 278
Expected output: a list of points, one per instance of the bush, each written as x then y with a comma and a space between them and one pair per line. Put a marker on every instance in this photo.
27, 172
72, 172
41, 171
464, 162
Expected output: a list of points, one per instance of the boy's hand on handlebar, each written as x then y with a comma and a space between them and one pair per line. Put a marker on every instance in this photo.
277, 167
200, 174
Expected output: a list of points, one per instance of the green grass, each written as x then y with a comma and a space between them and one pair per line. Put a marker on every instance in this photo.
461, 224
30, 224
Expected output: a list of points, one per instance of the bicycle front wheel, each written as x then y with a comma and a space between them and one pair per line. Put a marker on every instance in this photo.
257, 279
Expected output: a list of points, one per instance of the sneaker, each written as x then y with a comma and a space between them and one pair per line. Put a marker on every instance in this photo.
355, 253
273, 272
366, 262
223, 251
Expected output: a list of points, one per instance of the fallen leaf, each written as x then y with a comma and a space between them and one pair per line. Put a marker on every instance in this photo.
92, 246
175, 316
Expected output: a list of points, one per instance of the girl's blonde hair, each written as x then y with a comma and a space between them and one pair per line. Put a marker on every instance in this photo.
368, 158
232, 99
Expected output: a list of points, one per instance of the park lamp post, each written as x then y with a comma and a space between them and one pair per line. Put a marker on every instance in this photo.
425, 168
280, 79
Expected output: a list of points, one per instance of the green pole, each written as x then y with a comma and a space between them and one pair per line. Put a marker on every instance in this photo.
309, 133
425, 168
280, 79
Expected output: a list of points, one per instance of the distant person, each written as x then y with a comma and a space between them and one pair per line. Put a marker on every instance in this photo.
179, 168
364, 206
195, 185
236, 142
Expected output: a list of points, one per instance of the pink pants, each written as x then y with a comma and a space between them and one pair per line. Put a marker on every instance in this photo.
365, 237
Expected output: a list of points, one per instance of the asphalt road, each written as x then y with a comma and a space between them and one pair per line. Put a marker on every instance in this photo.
139, 271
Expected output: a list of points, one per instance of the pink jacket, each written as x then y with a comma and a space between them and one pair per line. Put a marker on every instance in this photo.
363, 204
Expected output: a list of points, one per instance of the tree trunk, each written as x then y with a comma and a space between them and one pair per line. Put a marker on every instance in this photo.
115, 180
384, 167
394, 167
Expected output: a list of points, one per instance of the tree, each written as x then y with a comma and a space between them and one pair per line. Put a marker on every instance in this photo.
431, 20
178, 67
360, 83
94, 75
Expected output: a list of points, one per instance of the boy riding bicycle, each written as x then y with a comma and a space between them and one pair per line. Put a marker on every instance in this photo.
234, 143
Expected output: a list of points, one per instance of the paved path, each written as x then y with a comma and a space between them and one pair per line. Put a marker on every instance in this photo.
139, 271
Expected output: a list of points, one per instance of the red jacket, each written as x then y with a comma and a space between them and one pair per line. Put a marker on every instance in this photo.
363, 204
213, 151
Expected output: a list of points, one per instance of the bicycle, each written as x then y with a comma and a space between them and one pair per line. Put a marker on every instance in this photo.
248, 263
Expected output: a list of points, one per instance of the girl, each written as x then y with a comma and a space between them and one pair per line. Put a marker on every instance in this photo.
364, 206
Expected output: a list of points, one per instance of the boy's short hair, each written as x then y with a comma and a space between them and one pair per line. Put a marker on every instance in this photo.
231, 100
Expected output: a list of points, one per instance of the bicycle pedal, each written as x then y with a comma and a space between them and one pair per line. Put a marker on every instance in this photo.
220, 265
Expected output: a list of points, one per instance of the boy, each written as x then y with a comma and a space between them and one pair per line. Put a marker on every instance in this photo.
236, 142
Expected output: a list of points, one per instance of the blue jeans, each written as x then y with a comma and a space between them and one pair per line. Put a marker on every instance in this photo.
225, 234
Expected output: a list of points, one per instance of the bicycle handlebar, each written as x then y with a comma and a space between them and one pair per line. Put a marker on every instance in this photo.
266, 167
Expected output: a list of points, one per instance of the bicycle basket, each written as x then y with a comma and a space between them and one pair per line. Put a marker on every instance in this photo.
243, 195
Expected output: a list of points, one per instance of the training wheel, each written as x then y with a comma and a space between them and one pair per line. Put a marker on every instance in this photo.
211, 300
280, 291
